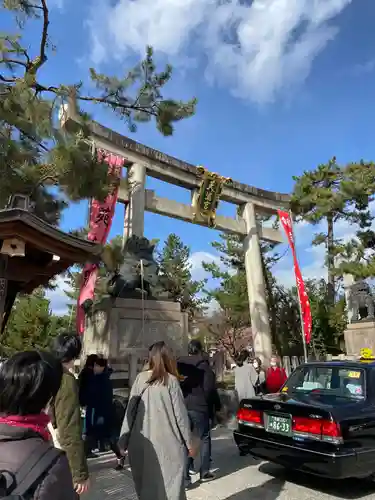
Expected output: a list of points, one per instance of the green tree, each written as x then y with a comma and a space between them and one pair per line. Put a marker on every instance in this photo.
72, 280
34, 153
233, 302
31, 324
333, 193
328, 322
176, 278
231, 294
229, 323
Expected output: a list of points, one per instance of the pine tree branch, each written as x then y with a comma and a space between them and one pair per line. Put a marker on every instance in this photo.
7, 60
148, 103
38, 61
37, 7
7, 80
115, 104
99, 100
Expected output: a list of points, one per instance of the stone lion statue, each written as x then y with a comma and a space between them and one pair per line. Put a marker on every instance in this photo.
360, 301
138, 274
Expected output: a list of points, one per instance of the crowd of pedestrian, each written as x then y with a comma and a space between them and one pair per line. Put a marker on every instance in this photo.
172, 407
252, 380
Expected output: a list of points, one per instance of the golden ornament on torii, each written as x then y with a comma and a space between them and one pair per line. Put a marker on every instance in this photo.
206, 198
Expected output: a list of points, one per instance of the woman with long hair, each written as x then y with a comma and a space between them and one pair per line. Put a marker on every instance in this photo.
156, 430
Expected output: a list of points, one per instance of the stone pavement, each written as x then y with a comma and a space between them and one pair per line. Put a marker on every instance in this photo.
238, 478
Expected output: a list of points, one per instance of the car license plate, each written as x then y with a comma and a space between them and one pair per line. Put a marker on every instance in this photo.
279, 424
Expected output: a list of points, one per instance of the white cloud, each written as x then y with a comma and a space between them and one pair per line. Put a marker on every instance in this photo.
256, 47
196, 259
363, 68
58, 299
59, 4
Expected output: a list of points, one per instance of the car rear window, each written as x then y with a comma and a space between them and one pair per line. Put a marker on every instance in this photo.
345, 382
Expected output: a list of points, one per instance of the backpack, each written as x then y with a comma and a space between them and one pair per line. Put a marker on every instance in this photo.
22, 484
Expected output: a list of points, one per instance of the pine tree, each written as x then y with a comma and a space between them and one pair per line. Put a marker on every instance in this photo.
31, 324
72, 280
176, 278
332, 193
229, 325
329, 322
232, 298
34, 153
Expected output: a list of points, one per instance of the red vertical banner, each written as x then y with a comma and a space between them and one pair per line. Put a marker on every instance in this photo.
287, 224
101, 215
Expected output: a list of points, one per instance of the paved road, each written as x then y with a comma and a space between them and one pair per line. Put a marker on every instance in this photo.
238, 478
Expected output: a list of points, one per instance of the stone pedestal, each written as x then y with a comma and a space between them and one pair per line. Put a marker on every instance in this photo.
123, 329
358, 335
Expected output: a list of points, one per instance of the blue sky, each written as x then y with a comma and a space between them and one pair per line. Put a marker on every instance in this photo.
282, 85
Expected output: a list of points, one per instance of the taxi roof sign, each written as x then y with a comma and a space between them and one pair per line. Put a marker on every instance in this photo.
367, 356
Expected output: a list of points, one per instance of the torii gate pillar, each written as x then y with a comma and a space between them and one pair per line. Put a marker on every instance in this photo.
256, 287
135, 210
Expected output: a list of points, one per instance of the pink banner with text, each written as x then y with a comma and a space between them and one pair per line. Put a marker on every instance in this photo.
101, 215
287, 224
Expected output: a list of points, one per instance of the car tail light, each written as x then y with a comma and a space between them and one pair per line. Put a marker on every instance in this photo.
330, 430
307, 426
246, 416
322, 430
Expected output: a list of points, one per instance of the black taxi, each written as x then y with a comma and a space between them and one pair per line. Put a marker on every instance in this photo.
322, 422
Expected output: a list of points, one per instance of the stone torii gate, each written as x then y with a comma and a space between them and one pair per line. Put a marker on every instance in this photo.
251, 202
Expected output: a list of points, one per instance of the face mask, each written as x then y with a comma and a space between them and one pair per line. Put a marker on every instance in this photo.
255, 365
273, 363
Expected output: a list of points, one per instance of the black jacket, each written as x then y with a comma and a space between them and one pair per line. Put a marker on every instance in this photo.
198, 385
96, 392
16, 445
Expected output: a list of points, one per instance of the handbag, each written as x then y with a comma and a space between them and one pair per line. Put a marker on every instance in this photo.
135, 409
124, 440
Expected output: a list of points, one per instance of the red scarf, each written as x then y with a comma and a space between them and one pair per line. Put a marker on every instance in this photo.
37, 423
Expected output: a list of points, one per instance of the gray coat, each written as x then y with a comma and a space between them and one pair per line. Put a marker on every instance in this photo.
245, 378
16, 445
156, 433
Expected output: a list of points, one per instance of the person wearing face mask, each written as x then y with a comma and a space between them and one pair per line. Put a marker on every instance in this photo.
275, 376
260, 384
